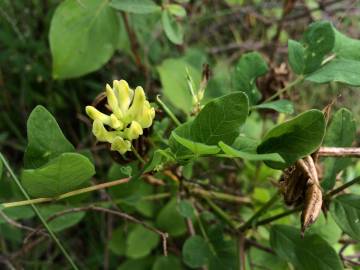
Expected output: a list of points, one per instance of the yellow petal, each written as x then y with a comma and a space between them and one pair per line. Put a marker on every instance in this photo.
101, 133
146, 118
95, 114
134, 131
113, 102
120, 145
136, 106
124, 94
115, 123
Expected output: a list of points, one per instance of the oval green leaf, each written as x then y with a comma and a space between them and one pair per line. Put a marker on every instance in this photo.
294, 139
172, 28
140, 242
310, 252
340, 133
338, 70
83, 36
196, 147
195, 252
135, 6
45, 139
232, 152
345, 210
62, 174
281, 105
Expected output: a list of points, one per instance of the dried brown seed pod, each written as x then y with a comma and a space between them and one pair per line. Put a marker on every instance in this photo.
293, 185
312, 205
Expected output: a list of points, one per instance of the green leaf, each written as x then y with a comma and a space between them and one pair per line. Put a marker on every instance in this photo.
310, 252
172, 28
167, 262
170, 221
160, 158
173, 80
62, 174
221, 119
224, 253
326, 228
249, 156
295, 138
346, 47
176, 10
281, 105
345, 209
62, 222
340, 133
83, 36
266, 260
337, 70
45, 139
247, 70
1, 169
296, 56
117, 243
195, 252
15, 213
138, 264
140, 242
246, 144
135, 6
319, 40
186, 209
196, 147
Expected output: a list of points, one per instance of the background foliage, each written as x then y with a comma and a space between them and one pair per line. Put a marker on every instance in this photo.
209, 181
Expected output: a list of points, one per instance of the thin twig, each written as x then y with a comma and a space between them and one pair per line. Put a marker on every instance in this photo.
259, 246
278, 216
339, 152
123, 215
286, 88
342, 187
134, 43
15, 223
66, 195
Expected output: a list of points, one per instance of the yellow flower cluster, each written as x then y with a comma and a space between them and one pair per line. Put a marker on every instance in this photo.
131, 113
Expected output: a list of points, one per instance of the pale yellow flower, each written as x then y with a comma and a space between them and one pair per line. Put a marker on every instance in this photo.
130, 114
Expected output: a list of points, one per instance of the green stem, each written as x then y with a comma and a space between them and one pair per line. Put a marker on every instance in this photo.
298, 208
278, 216
342, 187
37, 212
224, 216
259, 212
168, 111
286, 88
136, 153
218, 195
